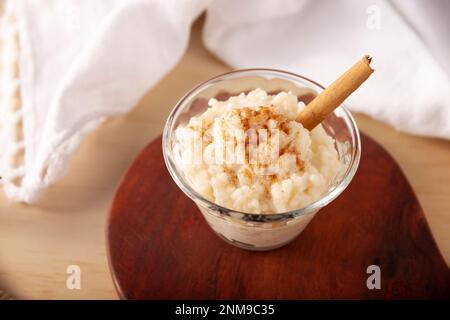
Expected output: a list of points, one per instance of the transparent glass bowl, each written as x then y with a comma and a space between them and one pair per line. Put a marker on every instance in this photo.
262, 231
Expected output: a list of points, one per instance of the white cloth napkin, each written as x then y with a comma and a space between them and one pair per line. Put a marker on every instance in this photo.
81, 61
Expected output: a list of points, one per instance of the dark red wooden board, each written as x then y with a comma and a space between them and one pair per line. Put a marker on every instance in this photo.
160, 247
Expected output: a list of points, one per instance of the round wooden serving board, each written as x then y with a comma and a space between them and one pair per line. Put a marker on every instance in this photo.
160, 247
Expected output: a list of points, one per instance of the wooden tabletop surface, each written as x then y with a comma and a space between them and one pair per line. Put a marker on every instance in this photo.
39, 242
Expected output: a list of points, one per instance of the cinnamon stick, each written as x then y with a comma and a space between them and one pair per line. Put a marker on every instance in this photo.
333, 96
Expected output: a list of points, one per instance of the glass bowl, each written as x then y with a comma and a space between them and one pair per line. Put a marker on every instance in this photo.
261, 231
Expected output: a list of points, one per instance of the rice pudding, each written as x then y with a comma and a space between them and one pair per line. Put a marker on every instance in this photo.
297, 168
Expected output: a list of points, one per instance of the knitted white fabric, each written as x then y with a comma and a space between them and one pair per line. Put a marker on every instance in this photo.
11, 139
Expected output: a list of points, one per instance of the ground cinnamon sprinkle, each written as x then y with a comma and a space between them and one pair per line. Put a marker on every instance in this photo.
300, 163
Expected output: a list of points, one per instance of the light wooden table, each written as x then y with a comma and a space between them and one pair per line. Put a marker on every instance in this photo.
37, 243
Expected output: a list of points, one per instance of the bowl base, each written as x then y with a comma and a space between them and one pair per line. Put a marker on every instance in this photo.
251, 247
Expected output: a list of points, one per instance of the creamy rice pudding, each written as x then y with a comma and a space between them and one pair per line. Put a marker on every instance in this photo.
296, 168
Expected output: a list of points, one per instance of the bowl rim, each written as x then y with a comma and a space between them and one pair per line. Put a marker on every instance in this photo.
310, 208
